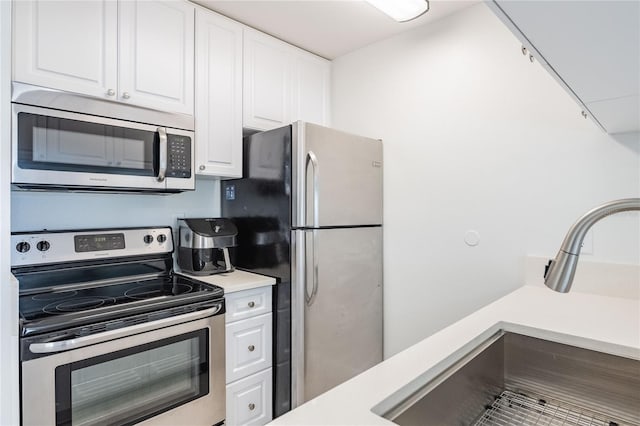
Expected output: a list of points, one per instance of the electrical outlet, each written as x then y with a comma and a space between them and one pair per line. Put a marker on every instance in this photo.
587, 243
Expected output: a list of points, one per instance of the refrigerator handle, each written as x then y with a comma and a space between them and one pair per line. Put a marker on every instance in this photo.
311, 158
314, 289
298, 292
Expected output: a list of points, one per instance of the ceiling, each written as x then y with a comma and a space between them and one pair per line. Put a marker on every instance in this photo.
328, 28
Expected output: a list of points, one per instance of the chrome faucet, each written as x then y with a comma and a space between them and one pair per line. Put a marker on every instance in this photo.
558, 274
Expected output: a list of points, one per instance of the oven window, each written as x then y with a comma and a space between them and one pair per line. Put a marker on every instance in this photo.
130, 385
52, 143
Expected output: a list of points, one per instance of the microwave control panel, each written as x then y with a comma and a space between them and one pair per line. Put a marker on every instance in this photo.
178, 156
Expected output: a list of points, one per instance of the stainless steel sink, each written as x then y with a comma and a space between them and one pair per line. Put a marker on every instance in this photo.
513, 379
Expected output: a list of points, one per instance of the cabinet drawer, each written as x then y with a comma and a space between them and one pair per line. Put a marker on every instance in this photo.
248, 303
249, 400
248, 346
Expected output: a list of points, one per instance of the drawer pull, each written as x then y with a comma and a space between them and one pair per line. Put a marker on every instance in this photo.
251, 348
252, 304
252, 406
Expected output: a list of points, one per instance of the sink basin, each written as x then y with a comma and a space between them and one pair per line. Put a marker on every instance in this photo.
521, 380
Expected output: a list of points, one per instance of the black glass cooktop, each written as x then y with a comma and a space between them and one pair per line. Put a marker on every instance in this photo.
115, 297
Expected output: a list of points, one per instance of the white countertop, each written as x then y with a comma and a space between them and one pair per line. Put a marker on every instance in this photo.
234, 281
596, 322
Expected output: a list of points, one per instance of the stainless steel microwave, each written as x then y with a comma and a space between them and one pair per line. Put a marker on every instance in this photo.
73, 142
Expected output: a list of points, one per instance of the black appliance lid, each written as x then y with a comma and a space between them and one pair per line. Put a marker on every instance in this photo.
212, 227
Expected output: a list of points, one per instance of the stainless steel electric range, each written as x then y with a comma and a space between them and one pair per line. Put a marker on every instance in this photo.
109, 335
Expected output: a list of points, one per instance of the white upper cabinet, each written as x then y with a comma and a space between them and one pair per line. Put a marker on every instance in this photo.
311, 79
267, 88
138, 52
282, 83
591, 48
67, 45
156, 54
219, 96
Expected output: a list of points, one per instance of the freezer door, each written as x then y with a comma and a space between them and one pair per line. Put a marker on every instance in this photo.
336, 307
337, 176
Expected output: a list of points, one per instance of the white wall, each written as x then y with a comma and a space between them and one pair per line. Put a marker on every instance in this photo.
9, 400
476, 138
33, 211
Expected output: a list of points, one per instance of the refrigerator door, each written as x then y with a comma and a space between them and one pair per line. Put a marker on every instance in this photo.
337, 176
336, 307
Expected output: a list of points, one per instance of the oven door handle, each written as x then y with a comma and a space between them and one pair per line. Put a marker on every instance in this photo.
79, 342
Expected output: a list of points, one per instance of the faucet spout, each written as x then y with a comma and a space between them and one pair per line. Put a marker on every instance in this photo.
560, 271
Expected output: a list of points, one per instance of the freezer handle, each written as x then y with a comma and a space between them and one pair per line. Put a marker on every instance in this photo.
311, 158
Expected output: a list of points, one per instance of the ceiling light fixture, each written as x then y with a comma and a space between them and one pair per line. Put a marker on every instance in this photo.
401, 10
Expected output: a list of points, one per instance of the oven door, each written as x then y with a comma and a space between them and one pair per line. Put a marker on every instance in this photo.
160, 377
72, 150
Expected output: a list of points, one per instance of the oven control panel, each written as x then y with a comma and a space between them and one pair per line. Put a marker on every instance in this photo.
100, 242
36, 248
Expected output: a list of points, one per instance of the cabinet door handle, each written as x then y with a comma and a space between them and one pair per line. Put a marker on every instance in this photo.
126, 95
251, 348
111, 92
251, 304
202, 167
252, 406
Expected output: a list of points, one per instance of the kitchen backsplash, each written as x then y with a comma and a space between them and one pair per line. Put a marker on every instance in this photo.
33, 210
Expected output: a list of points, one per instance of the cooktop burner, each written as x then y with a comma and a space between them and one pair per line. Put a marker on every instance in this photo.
76, 304
146, 291
44, 305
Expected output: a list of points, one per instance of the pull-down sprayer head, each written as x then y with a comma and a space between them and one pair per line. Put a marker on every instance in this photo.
560, 271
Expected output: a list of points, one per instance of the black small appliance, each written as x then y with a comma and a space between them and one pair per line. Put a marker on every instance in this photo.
204, 245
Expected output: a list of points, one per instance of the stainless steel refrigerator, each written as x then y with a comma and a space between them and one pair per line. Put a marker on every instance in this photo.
309, 213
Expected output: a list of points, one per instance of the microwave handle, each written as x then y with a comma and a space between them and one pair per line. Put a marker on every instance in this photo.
162, 169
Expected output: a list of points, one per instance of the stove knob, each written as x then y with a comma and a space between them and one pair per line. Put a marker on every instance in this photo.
148, 239
43, 245
162, 238
23, 246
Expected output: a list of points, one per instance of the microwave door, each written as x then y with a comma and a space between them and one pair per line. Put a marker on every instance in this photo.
58, 148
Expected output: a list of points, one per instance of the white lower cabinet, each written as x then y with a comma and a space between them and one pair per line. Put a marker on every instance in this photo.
248, 346
249, 400
249, 357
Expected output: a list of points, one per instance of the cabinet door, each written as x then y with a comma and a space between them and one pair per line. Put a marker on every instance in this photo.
311, 80
249, 400
156, 54
219, 96
248, 303
67, 45
248, 346
267, 81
